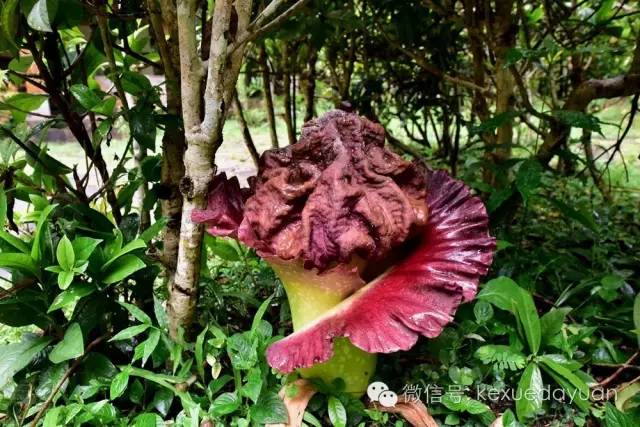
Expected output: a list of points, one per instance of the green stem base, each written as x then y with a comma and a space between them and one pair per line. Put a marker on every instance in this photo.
310, 296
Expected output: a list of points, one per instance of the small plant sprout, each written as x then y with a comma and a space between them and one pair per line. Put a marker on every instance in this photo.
373, 250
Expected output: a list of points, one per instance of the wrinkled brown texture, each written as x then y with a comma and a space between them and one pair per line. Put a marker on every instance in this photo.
335, 193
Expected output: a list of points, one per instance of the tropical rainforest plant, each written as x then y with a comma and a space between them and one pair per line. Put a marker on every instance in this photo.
372, 250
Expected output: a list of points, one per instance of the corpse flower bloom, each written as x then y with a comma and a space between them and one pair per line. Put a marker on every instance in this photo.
373, 250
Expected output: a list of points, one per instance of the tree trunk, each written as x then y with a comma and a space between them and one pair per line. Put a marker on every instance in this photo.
310, 88
246, 133
286, 99
173, 140
268, 97
203, 136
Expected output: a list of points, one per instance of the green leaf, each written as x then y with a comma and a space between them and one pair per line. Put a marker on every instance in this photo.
65, 278
242, 350
153, 230
505, 294
222, 248
65, 254
36, 253
9, 20
130, 332
14, 241
149, 345
483, 311
42, 15
122, 268
528, 178
458, 403
569, 381
259, 314
143, 126
22, 103
129, 247
253, 386
148, 420
503, 356
136, 312
337, 412
71, 295
199, 351
119, 384
83, 247
225, 404
614, 418
3, 207
493, 123
105, 106
530, 390
578, 119
71, 346
85, 96
18, 355
551, 322
269, 410
19, 261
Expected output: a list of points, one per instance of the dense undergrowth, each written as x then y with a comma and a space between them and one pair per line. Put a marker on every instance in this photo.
88, 341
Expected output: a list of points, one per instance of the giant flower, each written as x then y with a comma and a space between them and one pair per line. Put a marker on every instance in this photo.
373, 250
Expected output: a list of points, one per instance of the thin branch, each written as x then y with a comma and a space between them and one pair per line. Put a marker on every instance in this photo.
255, 30
137, 56
64, 379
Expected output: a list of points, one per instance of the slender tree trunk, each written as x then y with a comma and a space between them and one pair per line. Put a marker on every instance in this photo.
173, 140
286, 70
246, 133
203, 136
268, 97
310, 88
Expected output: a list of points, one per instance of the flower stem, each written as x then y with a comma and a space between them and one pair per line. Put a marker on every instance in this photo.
310, 296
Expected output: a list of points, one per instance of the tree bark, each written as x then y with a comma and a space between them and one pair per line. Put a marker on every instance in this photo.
203, 136
268, 97
246, 133
173, 140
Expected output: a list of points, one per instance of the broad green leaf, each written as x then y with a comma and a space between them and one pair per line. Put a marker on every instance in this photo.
52, 417
337, 412
122, 268
42, 15
14, 241
65, 254
253, 385
9, 20
242, 350
143, 126
614, 418
505, 294
19, 261
551, 322
83, 247
136, 312
18, 355
494, 123
130, 332
65, 278
85, 96
530, 390
259, 314
225, 404
269, 409
43, 222
22, 103
129, 247
71, 295
148, 420
570, 382
105, 106
580, 215
119, 384
71, 346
